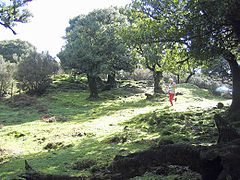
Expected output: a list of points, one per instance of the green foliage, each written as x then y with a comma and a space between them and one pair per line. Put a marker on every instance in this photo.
207, 28
6, 76
12, 12
13, 50
219, 69
33, 72
142, 35
93, 45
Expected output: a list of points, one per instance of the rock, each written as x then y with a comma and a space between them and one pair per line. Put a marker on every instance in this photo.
220, 105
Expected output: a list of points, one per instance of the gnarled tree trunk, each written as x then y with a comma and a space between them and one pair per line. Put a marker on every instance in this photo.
111, 80
234, 111
189, 76
92, 84
157, 76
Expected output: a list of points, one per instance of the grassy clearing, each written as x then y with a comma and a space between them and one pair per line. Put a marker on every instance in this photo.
63, 133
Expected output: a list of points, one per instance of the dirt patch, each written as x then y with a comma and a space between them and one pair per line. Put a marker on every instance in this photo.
56, 145
49, 118
117, 139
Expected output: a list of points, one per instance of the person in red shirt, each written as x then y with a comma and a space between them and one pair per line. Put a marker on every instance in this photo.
171, 87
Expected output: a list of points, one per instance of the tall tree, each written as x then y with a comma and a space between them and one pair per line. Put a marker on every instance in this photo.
219, 69
142, 34
94, 47
134, 34
178, 62
13, 12
210, 29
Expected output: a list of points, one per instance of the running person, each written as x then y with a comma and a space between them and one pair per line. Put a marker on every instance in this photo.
171, 90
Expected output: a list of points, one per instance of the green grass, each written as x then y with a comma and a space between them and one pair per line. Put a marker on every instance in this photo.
119, 123
13, 116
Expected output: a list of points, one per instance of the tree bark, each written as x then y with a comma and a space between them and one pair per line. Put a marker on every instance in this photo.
111, 81
218, 162
92, 84
234, 110
157, 76
226, 132
178, 78
100, 83
189, 76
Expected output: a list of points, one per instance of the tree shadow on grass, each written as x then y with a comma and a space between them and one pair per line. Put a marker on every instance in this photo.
73, 106
15, 116
76, 107
63, 161
64, 157
63, 104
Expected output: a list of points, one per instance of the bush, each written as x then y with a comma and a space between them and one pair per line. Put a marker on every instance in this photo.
6, 76
34, 71
138, 74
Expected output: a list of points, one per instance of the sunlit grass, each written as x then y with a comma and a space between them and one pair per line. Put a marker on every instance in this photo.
120, 122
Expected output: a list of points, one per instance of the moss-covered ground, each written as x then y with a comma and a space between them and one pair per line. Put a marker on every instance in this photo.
62, 132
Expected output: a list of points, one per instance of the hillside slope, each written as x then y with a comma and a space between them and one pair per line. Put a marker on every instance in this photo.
63, 133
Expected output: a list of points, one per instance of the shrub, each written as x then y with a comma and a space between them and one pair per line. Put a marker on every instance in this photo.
34, 71
6, 76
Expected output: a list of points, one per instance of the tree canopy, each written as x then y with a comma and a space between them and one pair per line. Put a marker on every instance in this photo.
209, 29
93, 45
12, 50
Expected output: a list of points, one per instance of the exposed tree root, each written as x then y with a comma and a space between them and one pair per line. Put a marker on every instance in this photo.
215, 162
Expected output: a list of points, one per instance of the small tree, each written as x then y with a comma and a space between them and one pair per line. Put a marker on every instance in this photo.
34, 71
6, 75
